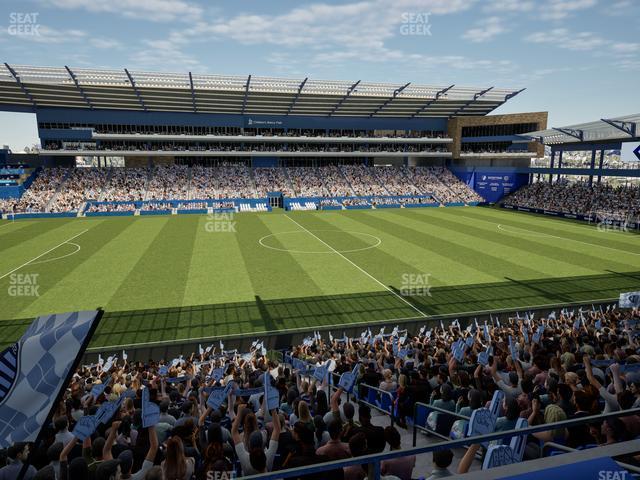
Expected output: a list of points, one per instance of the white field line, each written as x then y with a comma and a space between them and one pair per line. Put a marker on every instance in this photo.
359, 268
342, 325
42, 254
539, 234
78, 248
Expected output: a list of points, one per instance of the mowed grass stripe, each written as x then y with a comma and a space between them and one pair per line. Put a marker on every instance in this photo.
109, 251
19, 246
570, 230
327, 270
447, 243
416, 254
453, 244
369, 260
159, 279
217, 273
70, 268
545, 253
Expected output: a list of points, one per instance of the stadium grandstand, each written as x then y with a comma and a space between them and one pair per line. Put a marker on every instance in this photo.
294, 278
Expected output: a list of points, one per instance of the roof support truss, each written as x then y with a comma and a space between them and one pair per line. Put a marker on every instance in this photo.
21, 85
390, 99
246, 94
509, 97
629, 128
295, 99
80, 89
342, 100
579, 134
135, 89
432, 101
193, 94
475, 98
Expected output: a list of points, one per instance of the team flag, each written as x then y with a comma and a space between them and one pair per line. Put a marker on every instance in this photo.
36, 368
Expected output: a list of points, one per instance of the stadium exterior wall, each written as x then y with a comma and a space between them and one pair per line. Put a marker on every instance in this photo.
132, 117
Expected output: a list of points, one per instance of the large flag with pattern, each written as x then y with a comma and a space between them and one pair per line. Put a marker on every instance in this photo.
34, 370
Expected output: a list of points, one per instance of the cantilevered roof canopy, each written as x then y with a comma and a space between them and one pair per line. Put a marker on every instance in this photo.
37, 87
606, 129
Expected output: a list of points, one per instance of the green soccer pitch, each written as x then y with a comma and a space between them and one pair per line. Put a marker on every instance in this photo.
168, 278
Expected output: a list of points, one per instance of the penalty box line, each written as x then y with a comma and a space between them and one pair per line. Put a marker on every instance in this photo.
359, 268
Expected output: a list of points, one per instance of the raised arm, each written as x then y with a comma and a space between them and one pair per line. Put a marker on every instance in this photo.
235, 433
587, 367
108, 444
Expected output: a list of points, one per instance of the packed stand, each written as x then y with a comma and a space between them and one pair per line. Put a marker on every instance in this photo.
272, 180
363, 181
126, 185
463, 191
41, 191
82, 184
169, 182
335, 182
307, 181
395, 181
223, 411
604, 201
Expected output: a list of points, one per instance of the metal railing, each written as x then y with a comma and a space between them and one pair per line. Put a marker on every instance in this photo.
379, 407
557, 446
424, 428
374, 460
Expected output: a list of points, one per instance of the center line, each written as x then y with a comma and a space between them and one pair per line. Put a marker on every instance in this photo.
359, 268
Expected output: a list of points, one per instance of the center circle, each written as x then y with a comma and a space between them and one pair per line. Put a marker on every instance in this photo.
305, 236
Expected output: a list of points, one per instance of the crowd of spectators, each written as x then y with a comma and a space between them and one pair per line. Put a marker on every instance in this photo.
233, 180
363, 180
565, 365
272, 180
168, 182
81, 185
335, 182
37, 197
603, 200
395, 181
126, 185
307, 181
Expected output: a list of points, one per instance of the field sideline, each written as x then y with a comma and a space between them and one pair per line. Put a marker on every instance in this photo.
179, 277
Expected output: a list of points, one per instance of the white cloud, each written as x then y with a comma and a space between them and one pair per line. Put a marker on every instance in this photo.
485, 30
560, 9
46, 34
626, 48
163, 55
563, 38
508, 6
105, 43
152, 10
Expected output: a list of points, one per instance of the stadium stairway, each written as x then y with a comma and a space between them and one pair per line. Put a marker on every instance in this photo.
58, 189
189, 176
373, 171
107, 180
150, 172
353, 192
424, 464
289, 182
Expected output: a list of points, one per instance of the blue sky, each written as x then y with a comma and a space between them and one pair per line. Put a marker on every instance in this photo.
579, 59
